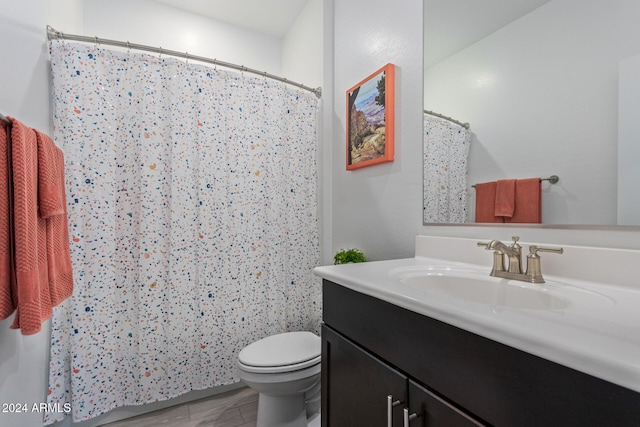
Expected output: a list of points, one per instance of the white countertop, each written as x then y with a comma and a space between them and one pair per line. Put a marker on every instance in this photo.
601, 340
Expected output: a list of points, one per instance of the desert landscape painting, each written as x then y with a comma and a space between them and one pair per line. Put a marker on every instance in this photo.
368, 139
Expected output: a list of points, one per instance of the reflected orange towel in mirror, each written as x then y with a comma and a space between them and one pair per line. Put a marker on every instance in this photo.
528, 202
486, 202
505, 198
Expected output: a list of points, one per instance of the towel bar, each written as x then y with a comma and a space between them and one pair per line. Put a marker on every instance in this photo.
553, 179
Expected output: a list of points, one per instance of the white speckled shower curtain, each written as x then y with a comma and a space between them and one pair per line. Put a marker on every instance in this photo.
446, 151
193, 221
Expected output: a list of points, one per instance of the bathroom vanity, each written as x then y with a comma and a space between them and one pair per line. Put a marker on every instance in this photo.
396, 354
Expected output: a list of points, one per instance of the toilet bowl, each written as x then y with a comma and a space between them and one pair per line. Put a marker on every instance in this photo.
285, 370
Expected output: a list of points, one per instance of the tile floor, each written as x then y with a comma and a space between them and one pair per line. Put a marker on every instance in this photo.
237, 408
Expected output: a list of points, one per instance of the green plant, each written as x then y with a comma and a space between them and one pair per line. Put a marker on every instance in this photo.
344, 256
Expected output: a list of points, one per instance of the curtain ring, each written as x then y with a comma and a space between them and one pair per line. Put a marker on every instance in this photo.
160, 57
96, 41
186, 57
128, 48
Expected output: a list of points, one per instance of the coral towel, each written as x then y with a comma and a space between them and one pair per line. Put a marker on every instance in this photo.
528, 202
486, 203
7, 305
51, 197
505, 197
52, 205
41, 245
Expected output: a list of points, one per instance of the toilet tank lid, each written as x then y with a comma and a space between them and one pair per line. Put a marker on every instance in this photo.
282, 349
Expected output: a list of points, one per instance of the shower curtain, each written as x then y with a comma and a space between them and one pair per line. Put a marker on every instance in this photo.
446, 150
193, 219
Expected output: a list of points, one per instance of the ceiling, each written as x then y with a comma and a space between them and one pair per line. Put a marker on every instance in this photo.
450, 25
273, 17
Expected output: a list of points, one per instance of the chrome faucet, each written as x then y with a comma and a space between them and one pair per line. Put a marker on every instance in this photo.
532, 274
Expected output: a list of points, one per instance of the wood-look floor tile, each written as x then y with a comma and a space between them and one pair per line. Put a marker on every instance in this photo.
229, 417
236, 408
169, 417
204, 407
249, 410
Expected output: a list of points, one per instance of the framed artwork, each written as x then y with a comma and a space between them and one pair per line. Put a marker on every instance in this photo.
370, 120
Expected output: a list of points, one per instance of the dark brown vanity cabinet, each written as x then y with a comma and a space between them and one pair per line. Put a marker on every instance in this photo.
447, 376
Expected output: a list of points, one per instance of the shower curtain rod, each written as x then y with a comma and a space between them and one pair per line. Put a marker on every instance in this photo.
59, 35
464, 125
4, 119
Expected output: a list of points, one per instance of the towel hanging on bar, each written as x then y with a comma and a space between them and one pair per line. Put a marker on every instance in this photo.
35, 261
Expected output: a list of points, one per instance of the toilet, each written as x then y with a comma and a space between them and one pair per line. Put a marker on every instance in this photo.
285, 370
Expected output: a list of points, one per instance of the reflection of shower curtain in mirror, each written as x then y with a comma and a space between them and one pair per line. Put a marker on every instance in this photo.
446, 149
193, 215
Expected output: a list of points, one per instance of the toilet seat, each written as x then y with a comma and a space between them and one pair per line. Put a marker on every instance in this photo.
286, 352
279, 369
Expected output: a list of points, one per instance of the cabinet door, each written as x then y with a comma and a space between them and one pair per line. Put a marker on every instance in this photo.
356, 385
432, 411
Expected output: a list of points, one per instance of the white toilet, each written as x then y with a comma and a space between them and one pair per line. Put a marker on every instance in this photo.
285, 370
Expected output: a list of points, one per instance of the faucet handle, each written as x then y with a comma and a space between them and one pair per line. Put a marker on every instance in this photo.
533, 262
533, 250
498, 257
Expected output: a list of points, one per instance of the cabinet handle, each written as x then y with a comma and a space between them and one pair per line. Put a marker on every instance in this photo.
408, 418
390, 405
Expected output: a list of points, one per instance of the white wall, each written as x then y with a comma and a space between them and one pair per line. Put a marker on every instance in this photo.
23, 68
378, 208
541, 97
25, 95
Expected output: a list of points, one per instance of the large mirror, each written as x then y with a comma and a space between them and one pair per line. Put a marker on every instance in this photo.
548, 87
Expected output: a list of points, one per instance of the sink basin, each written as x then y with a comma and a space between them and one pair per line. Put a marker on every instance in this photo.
477, 286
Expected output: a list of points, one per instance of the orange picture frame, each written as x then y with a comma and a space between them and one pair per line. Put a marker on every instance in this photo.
370, 121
